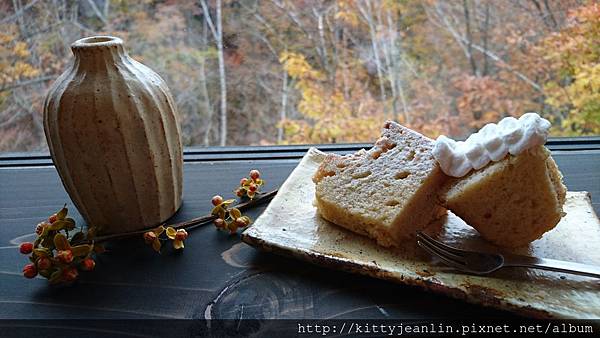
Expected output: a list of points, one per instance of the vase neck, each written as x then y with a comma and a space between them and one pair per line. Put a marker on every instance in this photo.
98, 49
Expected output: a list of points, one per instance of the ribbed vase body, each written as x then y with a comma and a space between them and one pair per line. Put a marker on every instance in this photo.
112, 128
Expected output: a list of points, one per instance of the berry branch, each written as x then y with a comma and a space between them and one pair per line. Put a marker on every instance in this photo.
59, 252
194, 222
224, 217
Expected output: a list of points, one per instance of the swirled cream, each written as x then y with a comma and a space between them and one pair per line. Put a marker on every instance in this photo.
491, 143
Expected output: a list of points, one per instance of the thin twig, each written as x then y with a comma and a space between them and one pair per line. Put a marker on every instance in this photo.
194, 222
26, 82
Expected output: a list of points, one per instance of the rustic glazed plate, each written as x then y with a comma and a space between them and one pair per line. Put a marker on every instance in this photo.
291, 226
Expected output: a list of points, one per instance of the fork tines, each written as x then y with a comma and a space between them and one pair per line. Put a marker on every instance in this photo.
448, 254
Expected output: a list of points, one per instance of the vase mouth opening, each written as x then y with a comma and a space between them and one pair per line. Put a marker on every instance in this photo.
97, 41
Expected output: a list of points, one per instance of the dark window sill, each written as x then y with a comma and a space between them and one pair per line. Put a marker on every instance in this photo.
280, 152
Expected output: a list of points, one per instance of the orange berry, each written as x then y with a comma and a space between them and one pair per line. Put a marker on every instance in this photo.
243, 181
219, 223
181, 235
44, 263
70, 274
216, 200
149, 237
26, 248
252, 187
65, 256
240, 222
39, 229
88, 264
254, 174
29, 270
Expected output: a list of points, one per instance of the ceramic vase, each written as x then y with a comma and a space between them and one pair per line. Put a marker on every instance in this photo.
112, 128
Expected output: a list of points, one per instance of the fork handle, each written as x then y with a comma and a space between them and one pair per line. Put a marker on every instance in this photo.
552, 265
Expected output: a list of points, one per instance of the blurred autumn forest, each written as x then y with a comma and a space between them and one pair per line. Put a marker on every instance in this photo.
282, 71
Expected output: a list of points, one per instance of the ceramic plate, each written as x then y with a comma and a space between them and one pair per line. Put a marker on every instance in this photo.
291, 226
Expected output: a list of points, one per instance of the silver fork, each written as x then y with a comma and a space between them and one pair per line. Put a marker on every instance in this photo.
481, 263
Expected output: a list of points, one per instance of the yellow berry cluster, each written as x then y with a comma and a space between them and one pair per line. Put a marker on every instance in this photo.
153, 237
249, 186
57, 254
230, 219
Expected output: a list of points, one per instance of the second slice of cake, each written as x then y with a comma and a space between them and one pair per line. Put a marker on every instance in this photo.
507, 186
388, 192
514, 201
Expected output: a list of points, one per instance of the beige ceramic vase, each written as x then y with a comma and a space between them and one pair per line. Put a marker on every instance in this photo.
112, 129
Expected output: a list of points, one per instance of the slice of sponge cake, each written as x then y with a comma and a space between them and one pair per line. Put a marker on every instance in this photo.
388, 192
511, 202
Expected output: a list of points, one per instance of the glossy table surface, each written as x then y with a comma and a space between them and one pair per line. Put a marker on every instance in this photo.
216, 276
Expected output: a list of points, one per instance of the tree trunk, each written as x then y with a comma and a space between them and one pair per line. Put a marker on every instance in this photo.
368, 17
223, 139
388, 49
217, 32
486, 28
398, 78
282, 113
469, 38
206, 107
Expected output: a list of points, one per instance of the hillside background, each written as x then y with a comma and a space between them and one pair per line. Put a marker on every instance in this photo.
280, 71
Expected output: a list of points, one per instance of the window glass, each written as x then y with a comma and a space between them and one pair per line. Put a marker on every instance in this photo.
319, 71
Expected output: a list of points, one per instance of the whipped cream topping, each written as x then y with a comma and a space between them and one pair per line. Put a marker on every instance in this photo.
491, 143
